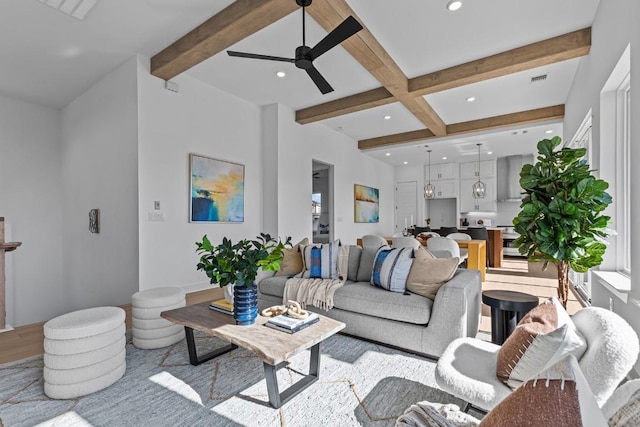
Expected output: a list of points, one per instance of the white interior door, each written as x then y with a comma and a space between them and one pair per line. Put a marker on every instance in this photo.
405, 205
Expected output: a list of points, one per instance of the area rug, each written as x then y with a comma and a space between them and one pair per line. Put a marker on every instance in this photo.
361, 384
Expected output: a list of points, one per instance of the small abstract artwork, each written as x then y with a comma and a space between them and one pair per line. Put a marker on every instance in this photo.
367, 205
217, 190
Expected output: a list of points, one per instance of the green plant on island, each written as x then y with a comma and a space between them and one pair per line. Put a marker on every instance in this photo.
560, 219
238, 263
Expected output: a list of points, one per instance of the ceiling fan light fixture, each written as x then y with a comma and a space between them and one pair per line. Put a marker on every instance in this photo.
454, 5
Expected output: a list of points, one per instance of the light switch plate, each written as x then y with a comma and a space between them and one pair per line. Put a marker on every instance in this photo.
156, 217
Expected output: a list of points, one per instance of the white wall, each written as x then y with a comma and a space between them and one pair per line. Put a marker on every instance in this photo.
298, 146
615, 27
198, 119
30, 201
99, 170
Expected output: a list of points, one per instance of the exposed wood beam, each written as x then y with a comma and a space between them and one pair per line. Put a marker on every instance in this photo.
234, 23
365, 49
521, 118
350, 104
556, 49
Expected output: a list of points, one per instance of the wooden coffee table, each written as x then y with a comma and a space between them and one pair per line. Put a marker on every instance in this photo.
272, 346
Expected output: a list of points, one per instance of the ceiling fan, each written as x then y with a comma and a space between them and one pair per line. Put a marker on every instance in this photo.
306, 55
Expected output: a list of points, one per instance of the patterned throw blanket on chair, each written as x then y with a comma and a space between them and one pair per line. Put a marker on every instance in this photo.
318, 292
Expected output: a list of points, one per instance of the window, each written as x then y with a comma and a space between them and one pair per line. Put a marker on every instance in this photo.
316, 203
623, 179
582, 281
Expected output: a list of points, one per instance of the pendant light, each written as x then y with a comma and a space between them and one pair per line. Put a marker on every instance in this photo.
479, 189
429, 189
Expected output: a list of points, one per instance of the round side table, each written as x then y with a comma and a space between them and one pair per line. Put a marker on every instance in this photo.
507, 308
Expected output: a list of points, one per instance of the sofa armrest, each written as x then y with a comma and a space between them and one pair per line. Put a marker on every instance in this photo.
457, 308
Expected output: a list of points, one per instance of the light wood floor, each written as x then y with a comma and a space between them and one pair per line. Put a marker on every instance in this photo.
27, 341
516, 274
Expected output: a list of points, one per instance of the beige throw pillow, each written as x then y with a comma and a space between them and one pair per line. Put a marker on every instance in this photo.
429, 273
292, 260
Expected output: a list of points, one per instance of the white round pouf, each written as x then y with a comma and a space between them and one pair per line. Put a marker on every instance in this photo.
85, 351
149, 330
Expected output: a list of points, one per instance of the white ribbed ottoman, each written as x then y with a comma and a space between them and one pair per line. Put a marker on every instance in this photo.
148, 329
84, 352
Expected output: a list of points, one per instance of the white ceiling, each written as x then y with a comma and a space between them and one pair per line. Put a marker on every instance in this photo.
50, 58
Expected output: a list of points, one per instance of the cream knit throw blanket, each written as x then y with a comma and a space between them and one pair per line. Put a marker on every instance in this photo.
318, 292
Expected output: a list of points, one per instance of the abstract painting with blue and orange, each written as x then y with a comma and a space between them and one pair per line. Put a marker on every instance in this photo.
217, 190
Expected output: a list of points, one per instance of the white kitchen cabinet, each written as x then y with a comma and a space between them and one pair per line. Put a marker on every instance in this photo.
445, 178
470, 170
469, 204
442, 171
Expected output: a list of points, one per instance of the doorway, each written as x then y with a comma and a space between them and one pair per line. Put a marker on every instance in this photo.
406, 212
322, 202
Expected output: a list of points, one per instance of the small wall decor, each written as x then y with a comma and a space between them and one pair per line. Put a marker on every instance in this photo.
367, 207
217, 190
94, 220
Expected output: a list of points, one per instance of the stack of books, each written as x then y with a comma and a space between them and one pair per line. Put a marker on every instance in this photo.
222, 306
291, 324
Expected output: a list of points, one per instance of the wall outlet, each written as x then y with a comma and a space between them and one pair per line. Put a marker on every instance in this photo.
156, 217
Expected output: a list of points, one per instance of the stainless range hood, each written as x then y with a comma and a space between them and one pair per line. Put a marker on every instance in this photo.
508, 169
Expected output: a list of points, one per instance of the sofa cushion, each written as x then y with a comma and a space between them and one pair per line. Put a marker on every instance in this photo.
545, 334
429, 273
366, 263
320, 260
391, 268
273, 286
361, 297
355, 252
292, 260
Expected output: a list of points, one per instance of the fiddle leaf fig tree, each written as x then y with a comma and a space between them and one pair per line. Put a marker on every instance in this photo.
560, 219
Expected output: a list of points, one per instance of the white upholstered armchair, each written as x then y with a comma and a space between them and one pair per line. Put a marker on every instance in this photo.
467, 368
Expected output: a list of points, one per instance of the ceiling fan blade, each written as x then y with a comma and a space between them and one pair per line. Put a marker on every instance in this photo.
317, 78
346, 29
256, 56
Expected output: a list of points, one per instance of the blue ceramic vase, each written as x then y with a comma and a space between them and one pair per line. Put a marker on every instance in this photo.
245, 304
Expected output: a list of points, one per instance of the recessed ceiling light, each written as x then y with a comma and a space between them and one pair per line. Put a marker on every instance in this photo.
405, 163
281, 74
454, 5
387, 117
489, 152
387, 154
444, 158
471, 99
548, 131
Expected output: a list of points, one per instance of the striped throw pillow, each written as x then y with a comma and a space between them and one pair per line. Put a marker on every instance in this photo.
320, 261
391, 268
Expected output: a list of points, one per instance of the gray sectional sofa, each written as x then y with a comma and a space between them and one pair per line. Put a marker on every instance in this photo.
408, 321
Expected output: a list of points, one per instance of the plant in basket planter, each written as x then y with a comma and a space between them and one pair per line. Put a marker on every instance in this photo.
560, 220
238, 264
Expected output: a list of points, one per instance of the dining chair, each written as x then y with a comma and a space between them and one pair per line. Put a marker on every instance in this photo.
445, 231
464, 252
405, 242
439, 245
